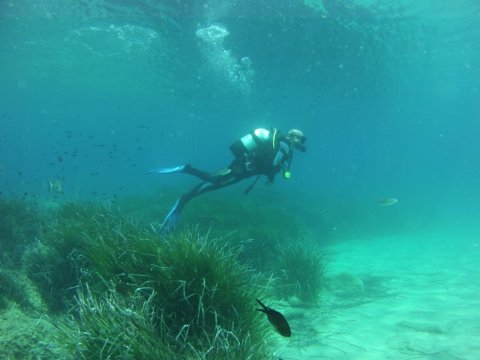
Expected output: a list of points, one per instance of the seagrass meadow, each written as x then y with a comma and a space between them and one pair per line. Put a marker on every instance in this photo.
96, 280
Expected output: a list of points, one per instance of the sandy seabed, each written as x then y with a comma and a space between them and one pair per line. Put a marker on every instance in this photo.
404, 297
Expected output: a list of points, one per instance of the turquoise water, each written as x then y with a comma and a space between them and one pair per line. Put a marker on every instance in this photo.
94, 93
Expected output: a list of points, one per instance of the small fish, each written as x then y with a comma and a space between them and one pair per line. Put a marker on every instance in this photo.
388, 202
276, 319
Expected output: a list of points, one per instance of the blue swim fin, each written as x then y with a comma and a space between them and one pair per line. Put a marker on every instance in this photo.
172, 170
171, 220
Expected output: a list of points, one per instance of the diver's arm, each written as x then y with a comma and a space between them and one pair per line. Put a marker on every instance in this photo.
279, 160
282, 154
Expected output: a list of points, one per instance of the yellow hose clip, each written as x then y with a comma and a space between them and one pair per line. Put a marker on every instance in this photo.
274, 137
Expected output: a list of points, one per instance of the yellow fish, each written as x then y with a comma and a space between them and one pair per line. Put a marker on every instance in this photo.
55, 186
388, 202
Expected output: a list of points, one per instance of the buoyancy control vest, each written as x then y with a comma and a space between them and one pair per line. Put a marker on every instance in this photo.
258, 149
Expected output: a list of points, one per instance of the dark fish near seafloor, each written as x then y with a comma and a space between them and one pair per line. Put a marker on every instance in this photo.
276, 319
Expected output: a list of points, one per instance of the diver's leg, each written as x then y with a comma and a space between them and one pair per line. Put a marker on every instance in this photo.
189, 169
173, 216
216, 177
202, 175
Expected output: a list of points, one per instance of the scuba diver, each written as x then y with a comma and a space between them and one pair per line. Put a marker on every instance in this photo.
260, 152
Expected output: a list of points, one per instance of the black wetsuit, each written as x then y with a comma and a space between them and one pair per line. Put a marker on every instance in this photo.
267, 160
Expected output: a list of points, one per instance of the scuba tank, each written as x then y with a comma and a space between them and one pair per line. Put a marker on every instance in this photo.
248, 147
248, 144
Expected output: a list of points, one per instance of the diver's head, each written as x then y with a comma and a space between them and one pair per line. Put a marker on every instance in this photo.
297, 139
